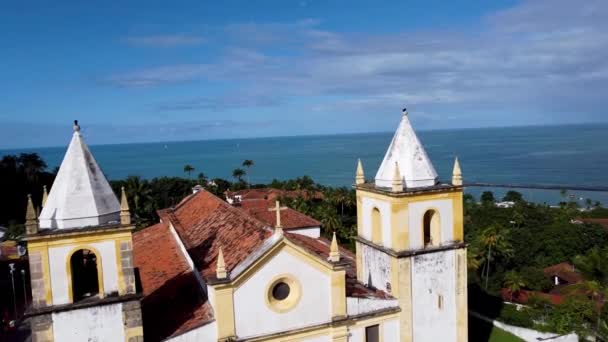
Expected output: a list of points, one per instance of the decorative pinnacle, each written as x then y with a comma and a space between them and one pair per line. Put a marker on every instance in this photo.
76, 126
220, 268
334, 251
125, 215
404, 111
397, 179
31, 222
360, 177
45, 195
456, 173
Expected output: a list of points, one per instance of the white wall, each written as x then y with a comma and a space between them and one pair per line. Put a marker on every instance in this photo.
389, 331
310, 232
322, 338
434, 274
253, 316
99, 324
58, 269
367, 205
357, 306
376, 267
416, 215
207, 332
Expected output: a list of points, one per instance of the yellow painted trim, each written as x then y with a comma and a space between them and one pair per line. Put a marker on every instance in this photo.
90, 237
46, 270
399, 226
292, 300
458, 217
224, 312
338, 293
133, 332
376, 218
69, 270
121, 278
359, 261
435, 228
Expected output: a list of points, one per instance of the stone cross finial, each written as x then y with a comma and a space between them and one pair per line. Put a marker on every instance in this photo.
31, 221
456, 173
125, 214
277, 208
220, 267
334, 251
45, 195
360, 177
76, 126
397, 185
404, 111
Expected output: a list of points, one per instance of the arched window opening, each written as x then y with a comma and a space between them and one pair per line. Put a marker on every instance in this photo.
85, 279
376, 226
431, 228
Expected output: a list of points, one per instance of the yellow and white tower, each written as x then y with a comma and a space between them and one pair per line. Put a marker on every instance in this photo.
410, 240
80, 254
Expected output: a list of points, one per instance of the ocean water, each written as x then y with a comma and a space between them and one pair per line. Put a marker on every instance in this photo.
571, 155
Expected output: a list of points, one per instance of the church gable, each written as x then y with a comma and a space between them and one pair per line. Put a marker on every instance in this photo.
286, 289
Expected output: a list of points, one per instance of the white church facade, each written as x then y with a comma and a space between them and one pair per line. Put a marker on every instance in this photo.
210, 271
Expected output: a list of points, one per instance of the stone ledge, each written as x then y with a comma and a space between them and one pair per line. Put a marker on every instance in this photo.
31, 312
411, 252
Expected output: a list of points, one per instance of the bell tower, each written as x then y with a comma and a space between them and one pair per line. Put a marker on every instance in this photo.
80, 255
410, 240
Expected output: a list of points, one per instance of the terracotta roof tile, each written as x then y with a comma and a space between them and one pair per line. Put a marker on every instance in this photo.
272, 194
564, 271
172, 302
290, 218
204, 222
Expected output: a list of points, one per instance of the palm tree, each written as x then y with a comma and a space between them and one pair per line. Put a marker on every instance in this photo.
238, 174
140, 195
514, 282
495, 244
595, 272
188, 169
330, 221
248, 163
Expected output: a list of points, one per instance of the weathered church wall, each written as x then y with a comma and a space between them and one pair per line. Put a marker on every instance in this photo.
368, 204
434, 296
416, 214
310, 232
376, 270
59, 261
389, 331
207, 332
254, 316
99, 324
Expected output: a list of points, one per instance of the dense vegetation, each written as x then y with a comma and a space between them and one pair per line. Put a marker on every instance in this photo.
508, 247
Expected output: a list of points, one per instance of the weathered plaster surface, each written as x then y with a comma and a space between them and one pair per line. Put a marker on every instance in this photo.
389, 331
434, 275
358, 306
99, 324
254, 317
376, 270
384, 207
207, 332
310, 232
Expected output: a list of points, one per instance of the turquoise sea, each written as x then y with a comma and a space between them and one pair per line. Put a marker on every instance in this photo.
566, 155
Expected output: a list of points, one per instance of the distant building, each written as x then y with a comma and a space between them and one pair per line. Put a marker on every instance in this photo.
563, 274
505, 204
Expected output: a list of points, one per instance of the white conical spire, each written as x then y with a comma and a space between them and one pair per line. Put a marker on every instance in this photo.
414, 164
80, 196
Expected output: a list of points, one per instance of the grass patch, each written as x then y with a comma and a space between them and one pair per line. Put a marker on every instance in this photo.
481, 331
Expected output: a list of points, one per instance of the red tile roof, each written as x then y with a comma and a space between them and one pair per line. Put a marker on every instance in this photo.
290, 218
601, 221
523, 296
172, 302
271, 194
564, 271
205, 222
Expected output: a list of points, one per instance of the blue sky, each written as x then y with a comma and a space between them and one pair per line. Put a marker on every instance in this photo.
148, 71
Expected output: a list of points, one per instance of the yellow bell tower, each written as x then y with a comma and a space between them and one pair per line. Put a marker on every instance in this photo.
410, 240
80, 254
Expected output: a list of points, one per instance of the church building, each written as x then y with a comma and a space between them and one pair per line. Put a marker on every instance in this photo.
215, 271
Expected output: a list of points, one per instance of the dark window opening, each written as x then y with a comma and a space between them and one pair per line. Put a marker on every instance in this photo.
280, 291
85, 281
372, 333
428, 216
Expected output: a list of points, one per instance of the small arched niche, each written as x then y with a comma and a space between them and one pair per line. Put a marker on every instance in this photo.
431, 231
85, 274
376, 226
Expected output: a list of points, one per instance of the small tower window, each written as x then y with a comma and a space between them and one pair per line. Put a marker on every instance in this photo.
431, 228
85, 278
376, 226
